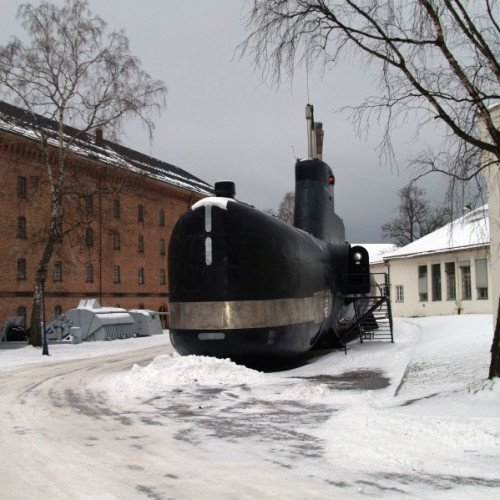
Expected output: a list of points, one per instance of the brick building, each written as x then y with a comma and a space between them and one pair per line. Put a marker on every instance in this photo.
118, 220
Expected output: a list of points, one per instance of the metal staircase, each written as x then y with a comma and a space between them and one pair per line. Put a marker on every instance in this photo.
378, 324
374, 322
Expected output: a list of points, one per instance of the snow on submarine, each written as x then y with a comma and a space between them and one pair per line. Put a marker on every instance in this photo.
247, 286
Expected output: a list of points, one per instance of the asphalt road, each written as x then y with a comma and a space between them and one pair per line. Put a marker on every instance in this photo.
58, 439
62, 436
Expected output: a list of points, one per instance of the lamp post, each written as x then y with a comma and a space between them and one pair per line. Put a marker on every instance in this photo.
41, 275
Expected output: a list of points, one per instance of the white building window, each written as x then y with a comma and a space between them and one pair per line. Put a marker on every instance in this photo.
465, 278
436, 281
422, 284
451, 284
481, 278
400, 293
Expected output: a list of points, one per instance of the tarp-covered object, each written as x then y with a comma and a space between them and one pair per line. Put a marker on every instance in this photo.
146, 322
101, 323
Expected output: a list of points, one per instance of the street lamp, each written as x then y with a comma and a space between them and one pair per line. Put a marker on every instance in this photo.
41, 276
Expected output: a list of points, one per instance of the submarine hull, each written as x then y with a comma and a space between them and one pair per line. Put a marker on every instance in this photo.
248, 286
257, 344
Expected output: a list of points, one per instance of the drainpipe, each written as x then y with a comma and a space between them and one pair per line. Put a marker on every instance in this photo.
99, 140
458, 288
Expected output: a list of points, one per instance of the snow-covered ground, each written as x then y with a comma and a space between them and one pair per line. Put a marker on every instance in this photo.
132, 419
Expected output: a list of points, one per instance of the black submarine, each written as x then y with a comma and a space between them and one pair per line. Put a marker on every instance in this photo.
247, 286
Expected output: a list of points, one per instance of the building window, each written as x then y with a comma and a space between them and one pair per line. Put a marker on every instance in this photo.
57, 270
481, 278
140, 213
58, 232
162, 277
436, 281
465, 277
21, 187
140, 276
116, 240
89, 273
21, 269
162, 247
451, 283
116, 274
21, 311
422, 284
162, 217
116, 208
21, 227
140, 243
57, 311
89, 236
400, 293
89, 204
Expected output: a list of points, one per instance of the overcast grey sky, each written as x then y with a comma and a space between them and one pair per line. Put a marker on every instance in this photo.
222, 122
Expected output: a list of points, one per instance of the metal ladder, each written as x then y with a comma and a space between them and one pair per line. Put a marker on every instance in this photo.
376, 322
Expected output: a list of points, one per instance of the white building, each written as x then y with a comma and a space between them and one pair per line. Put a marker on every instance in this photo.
376, 253
492, 176
444, 272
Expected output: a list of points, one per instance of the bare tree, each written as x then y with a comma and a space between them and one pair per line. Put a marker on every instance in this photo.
437, 62
70, 71
416, 217
285, 209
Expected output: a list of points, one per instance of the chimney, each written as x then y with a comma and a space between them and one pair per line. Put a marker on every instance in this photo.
319, 134
99, 137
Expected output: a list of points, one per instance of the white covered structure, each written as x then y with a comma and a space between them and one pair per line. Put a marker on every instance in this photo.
146, 322
444, 272
101, 323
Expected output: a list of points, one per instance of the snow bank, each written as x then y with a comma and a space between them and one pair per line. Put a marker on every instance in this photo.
172, 370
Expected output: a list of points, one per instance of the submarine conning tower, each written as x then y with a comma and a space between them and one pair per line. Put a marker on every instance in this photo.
315, 201
314, 210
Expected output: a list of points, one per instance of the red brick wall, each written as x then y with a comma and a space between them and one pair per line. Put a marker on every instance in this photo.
107, 183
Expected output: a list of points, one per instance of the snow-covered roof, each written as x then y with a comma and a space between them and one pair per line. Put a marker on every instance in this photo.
377, 251
18, 121
468, 231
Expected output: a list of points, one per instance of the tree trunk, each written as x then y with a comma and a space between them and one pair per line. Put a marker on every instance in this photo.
495, 348
54, 236
35, 338
36, 317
